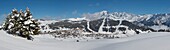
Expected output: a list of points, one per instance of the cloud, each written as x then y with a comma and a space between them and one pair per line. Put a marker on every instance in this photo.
91, 16
92, 5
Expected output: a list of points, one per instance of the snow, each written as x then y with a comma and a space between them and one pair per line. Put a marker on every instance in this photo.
101, 26
77, 19
46, 29
10, 25
47, 22
120, 22
17, 15
88, 26
28, 22
130, 32
156, 27
148, 41
115, 15
145, 18
86, 33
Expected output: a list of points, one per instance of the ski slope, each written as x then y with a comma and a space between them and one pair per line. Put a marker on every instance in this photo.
145, 41
101, 27
88, 27
120, 22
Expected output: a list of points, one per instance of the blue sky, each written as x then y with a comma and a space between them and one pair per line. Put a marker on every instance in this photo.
75, 8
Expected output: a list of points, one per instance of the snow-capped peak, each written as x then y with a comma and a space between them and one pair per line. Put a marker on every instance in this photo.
77, 19
104, 12
115, 15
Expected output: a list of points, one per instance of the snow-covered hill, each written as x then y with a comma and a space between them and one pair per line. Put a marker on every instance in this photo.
149, 41
145, 43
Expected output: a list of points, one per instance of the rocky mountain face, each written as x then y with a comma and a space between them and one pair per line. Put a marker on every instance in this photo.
156, 19
147, 20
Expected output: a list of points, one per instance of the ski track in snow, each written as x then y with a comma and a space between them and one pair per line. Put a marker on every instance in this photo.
101, 27
120, 22
119, 25
88, 26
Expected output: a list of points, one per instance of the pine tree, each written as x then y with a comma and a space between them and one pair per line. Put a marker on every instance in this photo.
21, 23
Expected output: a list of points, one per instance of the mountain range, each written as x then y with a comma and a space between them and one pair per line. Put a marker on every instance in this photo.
106, 22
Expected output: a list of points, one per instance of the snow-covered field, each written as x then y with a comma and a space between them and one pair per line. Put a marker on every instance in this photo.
144, 41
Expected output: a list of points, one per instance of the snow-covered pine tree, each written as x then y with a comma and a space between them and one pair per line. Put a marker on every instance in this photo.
21, 23
10, 23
